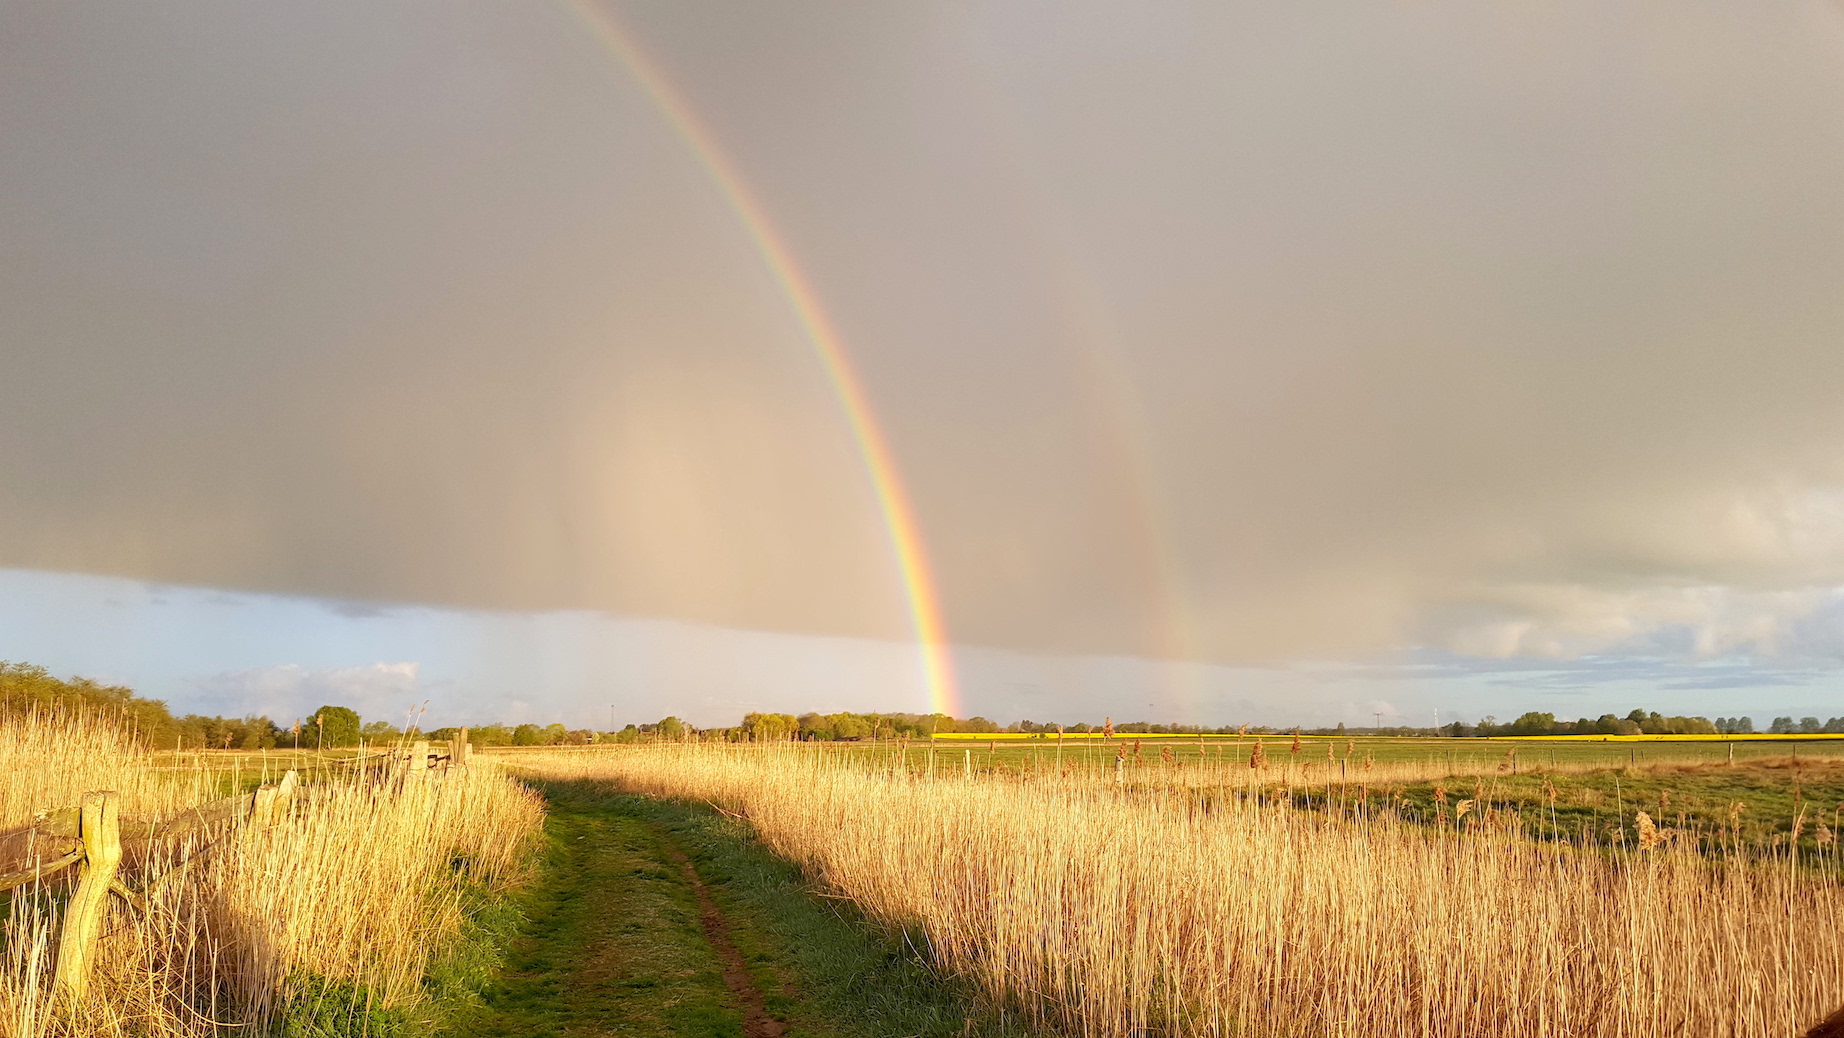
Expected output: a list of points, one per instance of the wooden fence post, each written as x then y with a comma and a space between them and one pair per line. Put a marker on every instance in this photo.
271, 803
419, 760
262, 806
464, 750
101, 833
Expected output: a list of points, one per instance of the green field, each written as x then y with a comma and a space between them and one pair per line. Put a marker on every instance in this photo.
1482, 756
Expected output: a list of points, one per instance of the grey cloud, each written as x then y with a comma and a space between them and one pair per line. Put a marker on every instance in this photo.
1232, 331
356, 610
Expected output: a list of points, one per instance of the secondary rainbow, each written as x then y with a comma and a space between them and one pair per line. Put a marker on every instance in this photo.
892, 499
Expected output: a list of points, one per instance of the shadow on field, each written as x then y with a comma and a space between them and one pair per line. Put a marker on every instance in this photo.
655, 918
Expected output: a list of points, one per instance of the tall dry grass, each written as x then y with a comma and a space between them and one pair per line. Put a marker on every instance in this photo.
51, 759
343, 901
1107, 909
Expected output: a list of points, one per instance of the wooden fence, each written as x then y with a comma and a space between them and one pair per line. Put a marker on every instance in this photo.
90, 837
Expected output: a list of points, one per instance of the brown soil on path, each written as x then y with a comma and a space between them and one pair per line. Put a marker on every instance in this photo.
756, 1021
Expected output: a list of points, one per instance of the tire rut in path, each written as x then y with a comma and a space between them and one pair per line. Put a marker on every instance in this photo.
754, 1005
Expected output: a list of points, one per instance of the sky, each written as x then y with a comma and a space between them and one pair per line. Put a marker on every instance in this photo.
1230, 361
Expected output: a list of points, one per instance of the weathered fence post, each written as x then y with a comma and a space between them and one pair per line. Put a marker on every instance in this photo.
419, 760
271, 802
262, 806
101, 833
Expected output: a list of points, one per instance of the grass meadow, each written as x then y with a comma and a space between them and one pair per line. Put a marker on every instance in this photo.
1170, 887
1182, 892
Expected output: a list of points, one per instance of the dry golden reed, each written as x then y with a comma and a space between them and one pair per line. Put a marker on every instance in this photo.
52, 759
350, 894
1106, 910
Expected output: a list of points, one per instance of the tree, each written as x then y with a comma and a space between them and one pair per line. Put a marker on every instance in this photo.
767, 727
671, 729
378, 731
338, 726
255, 733
1781, 726
1534, 723
555, 735
490, 735
25, 686
527, 735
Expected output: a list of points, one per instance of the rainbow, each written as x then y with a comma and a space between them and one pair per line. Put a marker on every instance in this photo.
892, 499
1096, 342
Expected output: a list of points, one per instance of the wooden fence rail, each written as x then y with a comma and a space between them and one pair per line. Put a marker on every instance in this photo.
90, 836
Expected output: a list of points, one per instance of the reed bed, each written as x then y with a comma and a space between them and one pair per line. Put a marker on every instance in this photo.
335, 910
51, 759
1315, 762
1106, 909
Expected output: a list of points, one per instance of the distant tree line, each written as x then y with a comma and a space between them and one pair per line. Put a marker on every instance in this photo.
25, 686
1641, 722
759, 727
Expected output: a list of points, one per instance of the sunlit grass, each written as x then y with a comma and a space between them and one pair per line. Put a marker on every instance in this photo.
333, 912
1208, 899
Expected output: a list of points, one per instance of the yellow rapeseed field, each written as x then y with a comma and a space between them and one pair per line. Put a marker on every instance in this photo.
1213, 905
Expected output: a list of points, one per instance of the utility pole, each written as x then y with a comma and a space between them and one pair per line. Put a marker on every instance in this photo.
611, 717
1378, 714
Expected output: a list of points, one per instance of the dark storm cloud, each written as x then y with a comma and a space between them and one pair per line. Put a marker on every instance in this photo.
1243, 331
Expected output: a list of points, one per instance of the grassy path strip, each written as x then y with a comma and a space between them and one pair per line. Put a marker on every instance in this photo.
756, 1021
611, 944
659, 919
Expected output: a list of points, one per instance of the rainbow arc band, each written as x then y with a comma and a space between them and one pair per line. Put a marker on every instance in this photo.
892, 499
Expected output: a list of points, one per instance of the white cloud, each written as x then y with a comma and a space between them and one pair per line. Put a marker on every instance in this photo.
1567, 621
378, 691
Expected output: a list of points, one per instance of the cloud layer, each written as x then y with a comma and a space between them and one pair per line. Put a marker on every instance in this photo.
1232, 332
290, 690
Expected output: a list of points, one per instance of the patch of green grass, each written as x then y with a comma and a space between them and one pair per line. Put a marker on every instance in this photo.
1695, 797
609, 941
826, 969
314, 1007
